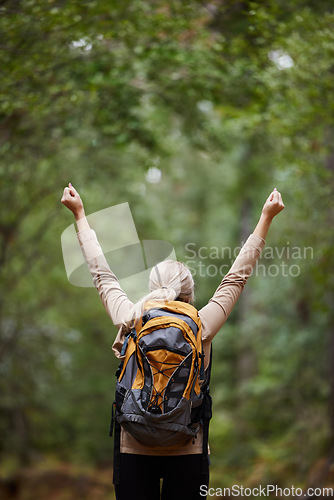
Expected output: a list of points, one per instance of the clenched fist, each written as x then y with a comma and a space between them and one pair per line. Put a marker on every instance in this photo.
71, 199
273, 205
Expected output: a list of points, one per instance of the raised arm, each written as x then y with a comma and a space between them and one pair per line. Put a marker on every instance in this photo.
112, 295
215, 313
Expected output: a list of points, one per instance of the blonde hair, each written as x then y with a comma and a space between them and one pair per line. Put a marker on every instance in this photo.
169, 280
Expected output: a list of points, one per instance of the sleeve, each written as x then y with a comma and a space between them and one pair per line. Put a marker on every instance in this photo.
216, 312
112, 295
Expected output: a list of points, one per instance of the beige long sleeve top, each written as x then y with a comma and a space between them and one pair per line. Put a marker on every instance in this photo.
213, 315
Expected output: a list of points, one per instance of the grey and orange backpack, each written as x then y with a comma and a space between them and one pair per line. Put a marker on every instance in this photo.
162, 390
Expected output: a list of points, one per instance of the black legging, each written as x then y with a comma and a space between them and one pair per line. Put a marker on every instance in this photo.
181, 476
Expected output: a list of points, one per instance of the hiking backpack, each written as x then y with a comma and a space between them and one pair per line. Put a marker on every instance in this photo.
162, 390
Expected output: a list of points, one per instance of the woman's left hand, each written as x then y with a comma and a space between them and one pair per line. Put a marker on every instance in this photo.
71, 199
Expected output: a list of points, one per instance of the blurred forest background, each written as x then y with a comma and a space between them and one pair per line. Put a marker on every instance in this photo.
192, 112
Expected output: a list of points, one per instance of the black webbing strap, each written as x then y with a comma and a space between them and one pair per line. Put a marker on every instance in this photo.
117, 452
206, 416
115, 429
206, 421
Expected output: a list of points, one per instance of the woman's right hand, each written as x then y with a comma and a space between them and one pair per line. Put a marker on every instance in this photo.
273, 205
71, 199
